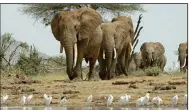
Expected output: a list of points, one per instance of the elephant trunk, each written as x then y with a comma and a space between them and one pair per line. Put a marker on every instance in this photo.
69, 59
149, 60
71, 56
109, 58
115, 53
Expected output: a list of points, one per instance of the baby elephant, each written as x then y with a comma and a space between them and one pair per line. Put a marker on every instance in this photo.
161, 62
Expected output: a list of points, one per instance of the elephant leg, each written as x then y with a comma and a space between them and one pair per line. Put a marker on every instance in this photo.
122, 63
91, 75
113, 68
101, 65
78, 68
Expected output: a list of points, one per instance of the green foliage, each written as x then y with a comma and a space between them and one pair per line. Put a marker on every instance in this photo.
5, 55
30, 65
45, 12
153, 71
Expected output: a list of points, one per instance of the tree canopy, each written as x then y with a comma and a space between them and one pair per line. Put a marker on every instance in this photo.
45, 12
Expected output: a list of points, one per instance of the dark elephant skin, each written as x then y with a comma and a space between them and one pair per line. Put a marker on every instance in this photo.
80, 35
150, 52
183, 56
115, 35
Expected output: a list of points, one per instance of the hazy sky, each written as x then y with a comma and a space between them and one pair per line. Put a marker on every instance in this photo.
165, 23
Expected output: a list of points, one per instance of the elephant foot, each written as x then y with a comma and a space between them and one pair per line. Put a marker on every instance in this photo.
77, 79
91, 77
101, 75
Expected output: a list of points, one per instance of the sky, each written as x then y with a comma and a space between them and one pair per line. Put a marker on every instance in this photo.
165, 23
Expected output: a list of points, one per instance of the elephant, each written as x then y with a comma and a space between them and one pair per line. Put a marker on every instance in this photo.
115, 35
136, 62
150, 51
161, 62
183, 56
80, 34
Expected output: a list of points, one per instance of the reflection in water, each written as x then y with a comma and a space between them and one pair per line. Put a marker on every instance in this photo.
4, 108
82, 108
48, 108
124, 108
87, 108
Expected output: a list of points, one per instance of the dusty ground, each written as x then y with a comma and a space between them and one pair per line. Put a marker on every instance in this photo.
57, 85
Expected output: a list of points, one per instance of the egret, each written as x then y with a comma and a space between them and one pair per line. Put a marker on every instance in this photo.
174, 100
26, 99
47, 99
63, 101
109, 100
127, 98
4, 98
139, 101
145, 99
157, 100
122, 100
89, 100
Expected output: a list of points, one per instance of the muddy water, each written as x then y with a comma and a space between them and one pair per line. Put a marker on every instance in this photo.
83, 108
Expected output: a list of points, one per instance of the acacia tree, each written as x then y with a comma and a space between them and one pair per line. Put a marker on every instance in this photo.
45, 12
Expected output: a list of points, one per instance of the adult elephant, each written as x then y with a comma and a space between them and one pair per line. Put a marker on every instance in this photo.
183, 56
150, 52
115, 35
80, 34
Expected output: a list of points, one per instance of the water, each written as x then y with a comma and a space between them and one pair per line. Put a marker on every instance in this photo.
82, 108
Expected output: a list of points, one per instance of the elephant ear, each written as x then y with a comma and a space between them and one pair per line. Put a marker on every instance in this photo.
55, 26
89, 20
114, 19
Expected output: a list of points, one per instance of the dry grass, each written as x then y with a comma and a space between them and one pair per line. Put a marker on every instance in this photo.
77, 92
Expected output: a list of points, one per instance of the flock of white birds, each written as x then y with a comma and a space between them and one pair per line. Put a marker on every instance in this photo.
124, 100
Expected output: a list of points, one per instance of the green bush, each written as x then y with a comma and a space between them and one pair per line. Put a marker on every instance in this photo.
30, 64
153, 71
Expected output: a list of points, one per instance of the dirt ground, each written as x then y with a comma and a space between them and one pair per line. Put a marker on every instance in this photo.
58, 85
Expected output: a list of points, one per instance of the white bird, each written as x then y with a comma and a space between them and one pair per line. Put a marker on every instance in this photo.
139, 101
47, 99
89, 100
185, 99
174, 100
63, 101
127, 98
145, 99
124, 99
25, 99
109, 100
4, 98
157, 100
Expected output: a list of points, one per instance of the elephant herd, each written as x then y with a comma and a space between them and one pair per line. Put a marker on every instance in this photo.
83, 35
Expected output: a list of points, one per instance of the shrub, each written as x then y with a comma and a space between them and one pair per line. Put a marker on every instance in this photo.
153, 71
30, 64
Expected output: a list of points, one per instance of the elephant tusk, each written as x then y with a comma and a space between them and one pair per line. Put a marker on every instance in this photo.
103, 54
115, 53
131, 48
61, 48
75, 54
184, 63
